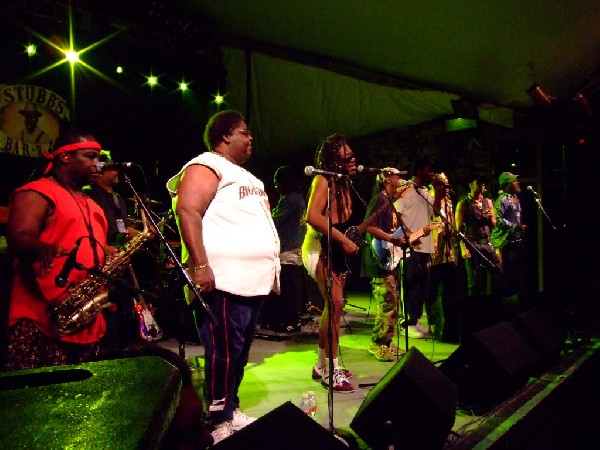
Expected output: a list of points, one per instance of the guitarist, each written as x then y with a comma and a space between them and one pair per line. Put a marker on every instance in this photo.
384, 283
416, 207
334, 155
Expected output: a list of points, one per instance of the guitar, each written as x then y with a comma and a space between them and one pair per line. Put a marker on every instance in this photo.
149, 329
355, 234
390, 255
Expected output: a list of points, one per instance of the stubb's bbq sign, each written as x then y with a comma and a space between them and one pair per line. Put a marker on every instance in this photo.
30, 118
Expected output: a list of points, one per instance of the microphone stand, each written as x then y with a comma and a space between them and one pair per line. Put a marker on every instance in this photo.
171, 253
406, 248
538, 200
329, 300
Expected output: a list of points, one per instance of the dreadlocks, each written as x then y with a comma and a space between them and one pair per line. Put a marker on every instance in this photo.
328, 158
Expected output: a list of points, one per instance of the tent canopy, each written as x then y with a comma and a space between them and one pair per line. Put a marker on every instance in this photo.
312, 67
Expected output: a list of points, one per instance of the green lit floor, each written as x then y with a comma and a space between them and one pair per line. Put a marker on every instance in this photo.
281, 370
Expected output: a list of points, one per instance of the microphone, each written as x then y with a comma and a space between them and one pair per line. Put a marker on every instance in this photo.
310, 170
362, 168
535, 194
62, 279
102, 166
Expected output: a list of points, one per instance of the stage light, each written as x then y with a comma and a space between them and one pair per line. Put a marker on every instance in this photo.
460, 124
582, 104
219, 99
31, 50
539, 96
119, 69
72, 56
183, 86
152, 80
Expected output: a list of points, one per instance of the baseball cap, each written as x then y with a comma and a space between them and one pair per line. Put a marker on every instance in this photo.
507, 177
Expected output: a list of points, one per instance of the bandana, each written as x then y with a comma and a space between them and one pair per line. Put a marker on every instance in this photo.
87, 145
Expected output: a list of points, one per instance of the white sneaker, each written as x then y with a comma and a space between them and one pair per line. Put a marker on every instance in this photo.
222, 431
414, 333
422, 328
340, 382
240, 420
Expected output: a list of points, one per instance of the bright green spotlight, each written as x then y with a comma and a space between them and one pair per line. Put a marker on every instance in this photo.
219, 99
119, 69
72, 56
31, 50
183, 86
513, 165
152, 80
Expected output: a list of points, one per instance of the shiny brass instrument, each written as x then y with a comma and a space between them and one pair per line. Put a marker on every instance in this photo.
86, 299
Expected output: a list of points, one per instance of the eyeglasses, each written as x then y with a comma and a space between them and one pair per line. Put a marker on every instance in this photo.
245, 132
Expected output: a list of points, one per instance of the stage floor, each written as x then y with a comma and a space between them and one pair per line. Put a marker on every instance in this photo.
279, 371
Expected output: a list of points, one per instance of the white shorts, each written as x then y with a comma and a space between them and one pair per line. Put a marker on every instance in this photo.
311, 249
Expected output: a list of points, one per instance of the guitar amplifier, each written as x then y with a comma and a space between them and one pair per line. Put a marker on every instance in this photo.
122, 403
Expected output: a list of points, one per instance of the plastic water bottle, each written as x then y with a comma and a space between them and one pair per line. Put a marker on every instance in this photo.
304, 404
312, 402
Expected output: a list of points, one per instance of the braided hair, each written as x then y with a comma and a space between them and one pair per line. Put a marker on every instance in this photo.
328, 158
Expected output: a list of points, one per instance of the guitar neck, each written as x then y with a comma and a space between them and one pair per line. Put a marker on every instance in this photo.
136, 284
419, 234
363, 226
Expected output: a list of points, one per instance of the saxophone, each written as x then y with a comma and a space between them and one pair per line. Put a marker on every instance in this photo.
87, 298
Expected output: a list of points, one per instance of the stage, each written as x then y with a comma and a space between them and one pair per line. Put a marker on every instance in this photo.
280, 368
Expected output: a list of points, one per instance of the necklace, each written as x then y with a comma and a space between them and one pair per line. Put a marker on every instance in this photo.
86, 220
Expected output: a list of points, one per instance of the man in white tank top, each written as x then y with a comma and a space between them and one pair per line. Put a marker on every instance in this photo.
231, 248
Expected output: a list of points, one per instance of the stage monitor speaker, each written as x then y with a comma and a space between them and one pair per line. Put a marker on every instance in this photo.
489, 366
466, 314
544, 330
286, 427
412, 407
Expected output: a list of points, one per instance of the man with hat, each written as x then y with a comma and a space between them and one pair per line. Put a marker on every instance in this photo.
384, 274
32, 133
507, 235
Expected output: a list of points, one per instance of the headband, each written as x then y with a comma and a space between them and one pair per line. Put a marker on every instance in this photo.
87, 145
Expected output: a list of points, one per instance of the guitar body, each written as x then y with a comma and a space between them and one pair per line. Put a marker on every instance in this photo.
355, 235
388, 254
149, 329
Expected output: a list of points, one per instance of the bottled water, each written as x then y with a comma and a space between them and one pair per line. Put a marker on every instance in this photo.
304, 404
312, 402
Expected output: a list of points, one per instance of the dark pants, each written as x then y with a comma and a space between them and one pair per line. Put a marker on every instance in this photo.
477, 270
443, 286
416, 285
512, 255
226, 349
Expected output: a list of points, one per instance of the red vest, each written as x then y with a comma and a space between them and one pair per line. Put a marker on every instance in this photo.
30, 293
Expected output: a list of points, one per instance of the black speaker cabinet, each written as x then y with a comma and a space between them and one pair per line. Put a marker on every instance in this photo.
413, 406
489, 366
544, 330
466, 314
286, 427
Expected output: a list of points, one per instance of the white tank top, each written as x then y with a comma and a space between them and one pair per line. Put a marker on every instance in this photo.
240, 237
